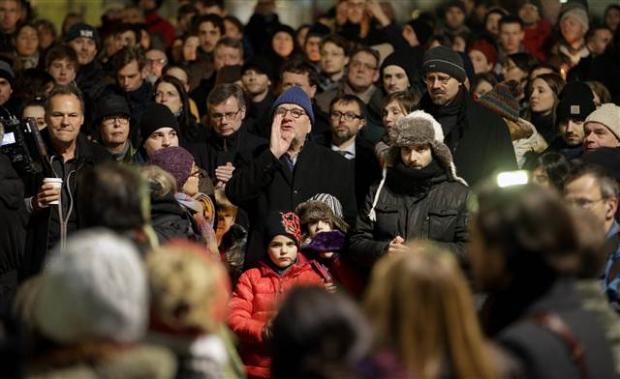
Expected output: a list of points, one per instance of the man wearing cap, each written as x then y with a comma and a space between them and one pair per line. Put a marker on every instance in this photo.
158, 129
256, 80
70, 154
290, 171
112, 118
574, 24
602, 128
576, 104
478, 138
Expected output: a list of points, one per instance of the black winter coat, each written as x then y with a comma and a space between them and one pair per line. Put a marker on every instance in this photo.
480, 142
12, 228
266, 184
436, 210
88, 154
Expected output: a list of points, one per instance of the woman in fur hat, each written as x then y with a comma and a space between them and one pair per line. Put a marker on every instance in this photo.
419, 197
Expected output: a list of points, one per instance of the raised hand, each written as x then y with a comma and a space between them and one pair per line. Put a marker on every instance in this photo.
280, 140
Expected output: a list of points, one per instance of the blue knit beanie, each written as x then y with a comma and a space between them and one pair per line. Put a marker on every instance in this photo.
295, 95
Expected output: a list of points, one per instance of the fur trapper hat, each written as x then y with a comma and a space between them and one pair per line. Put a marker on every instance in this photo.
314, 210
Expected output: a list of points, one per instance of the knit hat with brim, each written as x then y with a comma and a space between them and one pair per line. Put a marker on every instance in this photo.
609, 115
282, 224
94, 289
501, 101
444, 59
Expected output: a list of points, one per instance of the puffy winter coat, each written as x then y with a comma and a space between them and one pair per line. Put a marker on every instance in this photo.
436, 211
253, 304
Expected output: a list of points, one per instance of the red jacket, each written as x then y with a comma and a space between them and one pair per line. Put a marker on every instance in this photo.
254, 303
536, 39
159, 26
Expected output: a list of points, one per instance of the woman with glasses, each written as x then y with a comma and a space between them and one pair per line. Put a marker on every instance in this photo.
170, 92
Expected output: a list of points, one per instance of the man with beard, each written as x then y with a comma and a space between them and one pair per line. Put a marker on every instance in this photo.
478, 138
347, 116
576, 103
289, 171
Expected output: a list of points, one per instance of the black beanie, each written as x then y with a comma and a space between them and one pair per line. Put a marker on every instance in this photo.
282, 224
423, 31
402, 59
112, 105
156, 116
444, 59
576, 102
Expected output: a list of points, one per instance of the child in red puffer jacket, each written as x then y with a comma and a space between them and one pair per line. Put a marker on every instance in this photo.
259, 291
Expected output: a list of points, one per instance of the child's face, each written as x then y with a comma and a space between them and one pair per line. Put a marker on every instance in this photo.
282, 251
319, 226
225, 219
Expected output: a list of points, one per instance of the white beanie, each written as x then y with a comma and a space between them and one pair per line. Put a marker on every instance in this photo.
94, 289
609, 115
579, 13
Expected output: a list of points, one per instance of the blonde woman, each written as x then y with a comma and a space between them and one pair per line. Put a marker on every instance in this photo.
424, 319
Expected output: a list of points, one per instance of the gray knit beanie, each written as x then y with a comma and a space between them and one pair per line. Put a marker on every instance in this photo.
444, 59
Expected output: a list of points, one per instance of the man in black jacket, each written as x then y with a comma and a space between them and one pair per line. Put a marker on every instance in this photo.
227, 141
289, 171
478, 138
53, 210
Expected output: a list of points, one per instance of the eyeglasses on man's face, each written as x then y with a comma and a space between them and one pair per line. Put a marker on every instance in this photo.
295, 113
222, 116
122, 120
347, 116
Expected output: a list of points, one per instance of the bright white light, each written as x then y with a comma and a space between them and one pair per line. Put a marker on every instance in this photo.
512, 178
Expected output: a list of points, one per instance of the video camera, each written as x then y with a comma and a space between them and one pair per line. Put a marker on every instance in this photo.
23, 144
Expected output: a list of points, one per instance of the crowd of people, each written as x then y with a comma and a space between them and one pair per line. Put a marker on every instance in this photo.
352, 198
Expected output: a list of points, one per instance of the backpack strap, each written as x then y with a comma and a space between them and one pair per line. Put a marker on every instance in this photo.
554, 323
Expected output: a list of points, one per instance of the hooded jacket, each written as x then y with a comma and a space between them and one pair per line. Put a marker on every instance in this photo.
253, 305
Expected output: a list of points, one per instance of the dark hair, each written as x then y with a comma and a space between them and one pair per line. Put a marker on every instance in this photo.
230, 42
556, 83
222, 92
32, 83
66, 90
488, 77
212, 3
235, 21
524, 61
186, 9
595, 28
125, 56
60, 52
408, 100
337, 40
367, 50
116, 197
300, 66
510, 19
442, 39
348, 99
185, 119
36, 102
134, 28
214, 19
47, 24
318, 335
556, 166
600, 90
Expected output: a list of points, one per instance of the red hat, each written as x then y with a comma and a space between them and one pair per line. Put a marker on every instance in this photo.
486, 48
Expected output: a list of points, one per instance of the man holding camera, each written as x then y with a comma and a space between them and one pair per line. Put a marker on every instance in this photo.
53, 198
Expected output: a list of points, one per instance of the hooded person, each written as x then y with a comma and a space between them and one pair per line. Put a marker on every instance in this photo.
420, 195
260, 289
91, 301
477, 137
525, 137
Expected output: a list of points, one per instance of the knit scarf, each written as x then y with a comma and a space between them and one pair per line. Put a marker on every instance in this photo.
410, 181
452, 118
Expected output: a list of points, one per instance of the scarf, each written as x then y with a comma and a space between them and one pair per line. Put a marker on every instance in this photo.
410, 181
452, 117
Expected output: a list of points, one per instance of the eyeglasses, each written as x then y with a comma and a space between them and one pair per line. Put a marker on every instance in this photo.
443, 79
227, 115
295, 113
122, 120
347, 116
367, 66
584, 203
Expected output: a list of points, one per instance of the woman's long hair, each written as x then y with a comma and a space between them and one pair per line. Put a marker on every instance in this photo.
186, 120
555, 83
423, 311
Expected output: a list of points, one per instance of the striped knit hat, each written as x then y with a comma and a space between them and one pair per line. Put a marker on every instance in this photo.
444, 59
501, 101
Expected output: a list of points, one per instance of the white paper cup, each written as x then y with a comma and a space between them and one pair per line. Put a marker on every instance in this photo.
57, 182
